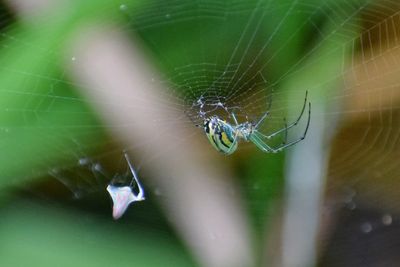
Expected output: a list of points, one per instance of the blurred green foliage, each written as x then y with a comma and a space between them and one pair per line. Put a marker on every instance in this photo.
40, 234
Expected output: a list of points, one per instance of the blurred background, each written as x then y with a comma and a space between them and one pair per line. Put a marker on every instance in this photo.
83, 81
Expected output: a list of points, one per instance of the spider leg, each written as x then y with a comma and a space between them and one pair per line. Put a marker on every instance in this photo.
266, 148
140, 194
234, 118
261, 144
262, 119
267, 112
256, 138
293, 123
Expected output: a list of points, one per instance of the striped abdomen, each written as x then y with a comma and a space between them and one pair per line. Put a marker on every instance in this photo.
221, 135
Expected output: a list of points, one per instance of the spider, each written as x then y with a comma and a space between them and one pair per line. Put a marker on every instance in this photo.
225, 137
123, 196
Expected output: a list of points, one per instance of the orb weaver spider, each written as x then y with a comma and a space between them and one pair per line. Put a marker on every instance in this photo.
123, 196
224, 136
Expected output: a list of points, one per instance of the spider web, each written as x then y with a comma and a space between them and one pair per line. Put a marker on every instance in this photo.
245, 57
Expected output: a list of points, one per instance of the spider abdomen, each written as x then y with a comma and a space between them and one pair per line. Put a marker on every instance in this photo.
221, 135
